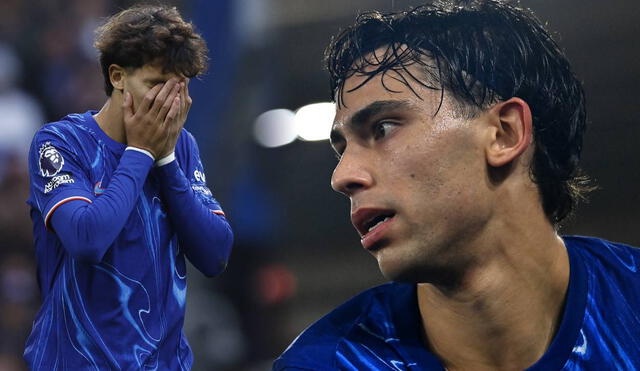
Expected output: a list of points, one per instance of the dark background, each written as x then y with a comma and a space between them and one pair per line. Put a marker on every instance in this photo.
296, 255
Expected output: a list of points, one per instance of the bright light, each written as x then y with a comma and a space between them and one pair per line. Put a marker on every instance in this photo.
313, 121
275, 128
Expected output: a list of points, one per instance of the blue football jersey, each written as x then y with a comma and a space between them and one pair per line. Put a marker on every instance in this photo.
379, 329
127, 311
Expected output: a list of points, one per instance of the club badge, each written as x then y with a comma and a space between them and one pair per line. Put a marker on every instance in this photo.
51, 161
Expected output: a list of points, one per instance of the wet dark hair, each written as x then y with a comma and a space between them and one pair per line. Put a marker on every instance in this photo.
479, 52
148, 34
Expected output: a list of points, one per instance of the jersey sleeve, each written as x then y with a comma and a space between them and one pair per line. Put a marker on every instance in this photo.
207, 237
189, 160
57, 173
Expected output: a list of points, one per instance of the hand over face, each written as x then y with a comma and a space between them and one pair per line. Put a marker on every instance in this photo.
177, 123
158, 119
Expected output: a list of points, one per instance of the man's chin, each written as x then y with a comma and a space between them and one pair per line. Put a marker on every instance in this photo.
419, 273
395, 265
397, 272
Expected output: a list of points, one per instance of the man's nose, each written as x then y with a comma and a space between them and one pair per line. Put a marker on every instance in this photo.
352, 174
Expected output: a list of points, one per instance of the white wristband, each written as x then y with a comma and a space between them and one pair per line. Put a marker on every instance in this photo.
167, 159
141, 151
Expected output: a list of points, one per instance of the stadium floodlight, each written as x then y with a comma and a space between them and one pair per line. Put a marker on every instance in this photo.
313, 121
275, 128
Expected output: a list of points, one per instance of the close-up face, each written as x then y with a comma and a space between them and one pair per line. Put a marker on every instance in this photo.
417, 182
138, 81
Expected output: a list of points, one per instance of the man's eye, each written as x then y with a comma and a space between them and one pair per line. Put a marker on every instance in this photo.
382, 129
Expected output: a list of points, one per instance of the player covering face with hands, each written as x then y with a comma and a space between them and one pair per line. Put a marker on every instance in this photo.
119, 201
158, 118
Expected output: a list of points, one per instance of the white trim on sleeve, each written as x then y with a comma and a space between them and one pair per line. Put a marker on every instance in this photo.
57, 204
141, 151
166, 160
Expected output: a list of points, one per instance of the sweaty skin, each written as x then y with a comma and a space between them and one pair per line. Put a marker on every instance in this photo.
467, 226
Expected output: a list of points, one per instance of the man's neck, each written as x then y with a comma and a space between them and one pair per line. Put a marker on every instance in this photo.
506, 312
111, 119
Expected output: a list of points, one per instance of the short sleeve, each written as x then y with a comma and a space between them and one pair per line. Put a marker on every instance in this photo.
188, 155
56, 172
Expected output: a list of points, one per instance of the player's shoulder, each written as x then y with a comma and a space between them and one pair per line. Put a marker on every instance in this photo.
186, 143
186, 136
315, 348
67, 129
599, 249
69, 136
613, 261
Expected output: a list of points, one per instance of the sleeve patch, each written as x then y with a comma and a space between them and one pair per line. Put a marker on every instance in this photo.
199, 175
50, 161
203, 190
57, 181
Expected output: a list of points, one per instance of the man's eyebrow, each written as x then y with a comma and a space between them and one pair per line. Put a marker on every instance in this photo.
365, 114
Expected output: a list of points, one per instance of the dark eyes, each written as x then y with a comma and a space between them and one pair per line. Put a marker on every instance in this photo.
378, 130
382, 128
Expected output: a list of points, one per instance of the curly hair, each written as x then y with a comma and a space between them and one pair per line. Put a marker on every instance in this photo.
479, 52
149, 34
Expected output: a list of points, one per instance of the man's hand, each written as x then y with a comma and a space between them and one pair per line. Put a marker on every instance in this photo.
176, 124
153, 123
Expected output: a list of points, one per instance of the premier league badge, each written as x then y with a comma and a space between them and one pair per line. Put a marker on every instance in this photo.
51, 161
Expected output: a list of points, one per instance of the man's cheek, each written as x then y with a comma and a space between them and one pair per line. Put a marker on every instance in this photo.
138, 96
137, 100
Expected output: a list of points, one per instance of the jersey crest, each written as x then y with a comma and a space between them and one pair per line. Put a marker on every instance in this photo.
50, 161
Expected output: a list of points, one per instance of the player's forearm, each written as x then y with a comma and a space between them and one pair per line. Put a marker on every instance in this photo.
203, 234
88, 229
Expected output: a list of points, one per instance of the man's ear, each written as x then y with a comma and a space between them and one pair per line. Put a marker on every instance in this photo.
116, 76
512, 130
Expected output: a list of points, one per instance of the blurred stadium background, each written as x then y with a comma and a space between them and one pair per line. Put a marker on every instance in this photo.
296, 255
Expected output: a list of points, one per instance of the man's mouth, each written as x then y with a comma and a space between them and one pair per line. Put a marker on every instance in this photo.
368, 220
377, 221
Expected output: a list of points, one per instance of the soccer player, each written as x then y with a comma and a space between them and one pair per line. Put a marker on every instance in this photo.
118, 200
459, 128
